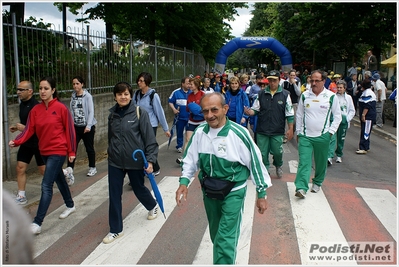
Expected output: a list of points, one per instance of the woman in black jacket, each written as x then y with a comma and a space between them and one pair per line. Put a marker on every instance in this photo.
129, 128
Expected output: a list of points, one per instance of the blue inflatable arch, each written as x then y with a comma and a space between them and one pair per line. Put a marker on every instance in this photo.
252, 42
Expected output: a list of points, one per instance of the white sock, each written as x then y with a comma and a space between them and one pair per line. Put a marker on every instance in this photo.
21, 193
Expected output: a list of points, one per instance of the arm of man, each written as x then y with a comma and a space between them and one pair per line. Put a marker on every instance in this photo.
172, 106
336, 112
189, 168
289, 115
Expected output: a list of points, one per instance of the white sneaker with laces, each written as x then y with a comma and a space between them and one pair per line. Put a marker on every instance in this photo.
35, 228
152, 214
67, 212
179, 150
338, 160
92, 171
111, 237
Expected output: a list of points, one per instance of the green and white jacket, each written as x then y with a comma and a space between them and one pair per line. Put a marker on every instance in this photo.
231, 155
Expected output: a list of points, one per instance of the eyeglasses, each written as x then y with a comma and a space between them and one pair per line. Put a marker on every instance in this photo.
22, 89
213, 110
315, 81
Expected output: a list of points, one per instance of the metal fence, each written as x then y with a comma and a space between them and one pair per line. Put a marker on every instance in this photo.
31, 52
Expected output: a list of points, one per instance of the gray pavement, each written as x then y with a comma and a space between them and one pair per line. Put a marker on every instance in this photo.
33, 188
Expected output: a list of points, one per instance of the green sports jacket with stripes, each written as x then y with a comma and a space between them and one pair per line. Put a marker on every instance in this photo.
232, 155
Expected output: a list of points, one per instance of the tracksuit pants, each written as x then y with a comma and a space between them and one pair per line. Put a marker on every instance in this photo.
180, 127
365, 132
271, 144
318, 147
224, 217
338, 139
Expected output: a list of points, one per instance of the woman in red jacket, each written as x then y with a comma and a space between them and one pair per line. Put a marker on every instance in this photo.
53, 124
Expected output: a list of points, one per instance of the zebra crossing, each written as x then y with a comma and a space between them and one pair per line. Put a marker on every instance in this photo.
316, 219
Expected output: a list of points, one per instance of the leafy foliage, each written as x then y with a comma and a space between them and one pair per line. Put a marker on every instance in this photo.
197, 26
326, 31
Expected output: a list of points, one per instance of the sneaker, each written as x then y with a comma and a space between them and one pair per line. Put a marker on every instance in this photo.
20, 200
329, 161
68, 173
152, 214
279, 172
157, 173
179, 150
92, 171
315, 188
111, 237
338, 160
300, 193
35, 228
66, 212
179, 160
361, 151
285, 140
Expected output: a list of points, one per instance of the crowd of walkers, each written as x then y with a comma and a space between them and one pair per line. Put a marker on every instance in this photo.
227, 128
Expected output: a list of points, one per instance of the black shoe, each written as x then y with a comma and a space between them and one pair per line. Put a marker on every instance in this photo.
179, 160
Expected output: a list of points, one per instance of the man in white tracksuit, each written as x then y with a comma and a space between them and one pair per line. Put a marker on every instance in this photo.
314, 128
225, 154
348, 112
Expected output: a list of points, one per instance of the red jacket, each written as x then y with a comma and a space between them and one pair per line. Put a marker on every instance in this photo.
54, 128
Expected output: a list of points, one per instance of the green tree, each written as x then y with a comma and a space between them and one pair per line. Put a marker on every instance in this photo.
196, 26
329, 31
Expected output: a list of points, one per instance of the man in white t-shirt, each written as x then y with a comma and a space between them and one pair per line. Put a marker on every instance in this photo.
380, 91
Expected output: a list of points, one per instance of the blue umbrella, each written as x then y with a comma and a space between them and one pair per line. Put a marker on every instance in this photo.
173, 128
151, 177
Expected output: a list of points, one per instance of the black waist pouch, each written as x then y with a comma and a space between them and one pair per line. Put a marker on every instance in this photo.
216, 188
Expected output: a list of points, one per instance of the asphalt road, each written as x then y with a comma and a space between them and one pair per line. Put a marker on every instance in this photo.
347, 209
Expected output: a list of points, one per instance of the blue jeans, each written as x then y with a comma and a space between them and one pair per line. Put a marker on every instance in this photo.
53, 173
115, 188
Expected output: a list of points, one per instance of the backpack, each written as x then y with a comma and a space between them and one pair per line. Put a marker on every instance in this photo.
151, 96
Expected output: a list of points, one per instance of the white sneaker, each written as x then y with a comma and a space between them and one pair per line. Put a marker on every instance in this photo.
315, 188
279, 172
111, 237
92, 171
338, 160
329, 161
20, 200
152, 214
66, 212
179, 150
35, 228
68, 173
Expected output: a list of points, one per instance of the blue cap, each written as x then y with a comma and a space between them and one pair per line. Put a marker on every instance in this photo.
375, 76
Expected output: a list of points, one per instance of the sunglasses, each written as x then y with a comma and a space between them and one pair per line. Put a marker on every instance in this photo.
22, 89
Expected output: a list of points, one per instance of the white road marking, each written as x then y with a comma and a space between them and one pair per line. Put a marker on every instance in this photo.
384, 205
136, 227
314, 223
